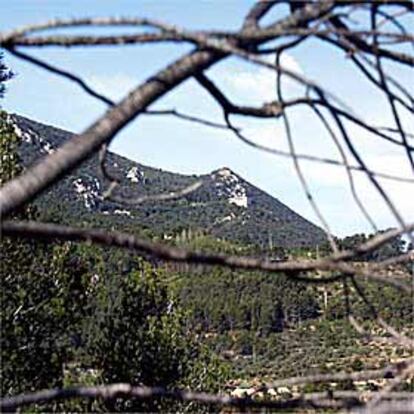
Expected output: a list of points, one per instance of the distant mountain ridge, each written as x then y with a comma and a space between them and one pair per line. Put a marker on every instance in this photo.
225, 206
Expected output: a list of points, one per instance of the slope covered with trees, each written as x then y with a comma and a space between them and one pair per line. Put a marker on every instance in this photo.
73, 313
225, 206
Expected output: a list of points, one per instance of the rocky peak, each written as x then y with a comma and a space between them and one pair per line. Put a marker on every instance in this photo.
29, 136
231, 186
135, 175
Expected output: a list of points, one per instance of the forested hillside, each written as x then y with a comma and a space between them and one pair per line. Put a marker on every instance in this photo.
73, 314
225, 206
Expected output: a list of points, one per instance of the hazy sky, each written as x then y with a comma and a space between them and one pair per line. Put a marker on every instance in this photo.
187, 148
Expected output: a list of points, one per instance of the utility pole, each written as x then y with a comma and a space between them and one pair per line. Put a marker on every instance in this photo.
270, 240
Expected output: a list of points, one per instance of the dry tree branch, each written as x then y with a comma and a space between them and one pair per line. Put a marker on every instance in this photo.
40, 176
392, 18
274, 109
108, 194
361, 123
107, 22
332, 400
168, 33
363, 165
296, 164
13, 36
91, 41
347, 167
404, 340
362, 45
403, 258
406, 372
211, 47
230, 47
257, 12
395, 337
383, 81
237, 131
386, 407
172, 195
333, 262
356, 57
37, 178
389, 129
390, 371
186, 117
64, 73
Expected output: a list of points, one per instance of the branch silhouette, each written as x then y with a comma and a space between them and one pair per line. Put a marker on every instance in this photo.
370, 48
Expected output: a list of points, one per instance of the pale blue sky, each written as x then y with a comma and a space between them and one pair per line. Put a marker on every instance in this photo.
174, 145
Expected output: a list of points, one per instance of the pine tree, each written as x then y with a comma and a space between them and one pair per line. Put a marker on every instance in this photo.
5, 75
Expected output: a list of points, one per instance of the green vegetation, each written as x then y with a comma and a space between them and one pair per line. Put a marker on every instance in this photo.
223, 300
271, 328
208, 210
79, 314
394, 247
5, 75
76, 314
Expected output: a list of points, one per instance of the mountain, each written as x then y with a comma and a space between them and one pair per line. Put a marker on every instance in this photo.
225, 206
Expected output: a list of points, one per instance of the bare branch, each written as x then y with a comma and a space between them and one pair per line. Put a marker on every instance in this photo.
172, 195
258, 11
185, 117
296, 164
291, 268
327, 20
340, 399
64, 74
360, 44
73, 152
40, 176
390, 371
406, 372
347, 166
